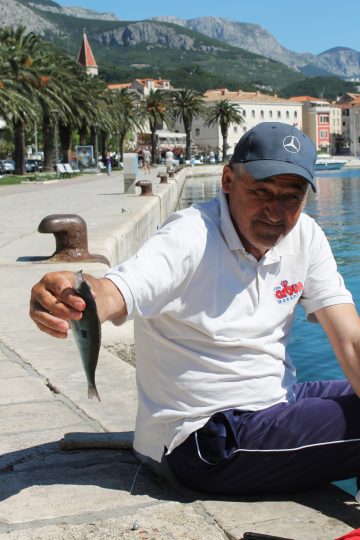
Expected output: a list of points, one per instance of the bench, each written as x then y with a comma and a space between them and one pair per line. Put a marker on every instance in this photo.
61, 171
70, 170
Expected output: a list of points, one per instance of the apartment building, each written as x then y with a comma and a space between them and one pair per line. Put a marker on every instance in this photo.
255, 108
322, 123
143, 86
349, 105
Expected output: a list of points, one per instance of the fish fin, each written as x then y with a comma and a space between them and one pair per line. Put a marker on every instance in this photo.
78, 279
92, 392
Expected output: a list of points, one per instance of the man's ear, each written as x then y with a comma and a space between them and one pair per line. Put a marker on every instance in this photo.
227, 178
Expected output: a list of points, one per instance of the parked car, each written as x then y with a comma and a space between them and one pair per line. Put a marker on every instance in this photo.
33, 165
7, 166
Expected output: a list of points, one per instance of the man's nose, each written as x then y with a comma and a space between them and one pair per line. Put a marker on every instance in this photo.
275, 209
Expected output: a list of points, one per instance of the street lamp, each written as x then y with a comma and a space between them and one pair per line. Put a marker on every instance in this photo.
36, 140
55, 113
96, 143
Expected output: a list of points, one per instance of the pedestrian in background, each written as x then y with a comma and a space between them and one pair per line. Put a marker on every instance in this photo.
146, 155
169, 160
108, 164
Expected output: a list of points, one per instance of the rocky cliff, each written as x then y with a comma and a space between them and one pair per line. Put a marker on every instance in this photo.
340, 61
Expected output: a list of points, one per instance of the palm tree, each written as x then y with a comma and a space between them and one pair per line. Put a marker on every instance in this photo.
224, 113
188, 104
19, 74
128, 115
55, 96
157, 111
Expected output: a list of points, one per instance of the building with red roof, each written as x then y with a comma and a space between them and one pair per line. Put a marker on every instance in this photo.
86, 58
321, 121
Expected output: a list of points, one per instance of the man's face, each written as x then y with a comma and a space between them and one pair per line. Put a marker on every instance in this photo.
263, 211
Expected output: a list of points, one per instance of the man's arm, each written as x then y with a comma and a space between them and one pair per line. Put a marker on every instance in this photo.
341, 324
54, 302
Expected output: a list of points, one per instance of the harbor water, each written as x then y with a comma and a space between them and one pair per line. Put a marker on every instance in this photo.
336, 208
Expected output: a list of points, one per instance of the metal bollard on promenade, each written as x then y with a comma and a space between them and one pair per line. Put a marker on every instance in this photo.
70, 233
146, 187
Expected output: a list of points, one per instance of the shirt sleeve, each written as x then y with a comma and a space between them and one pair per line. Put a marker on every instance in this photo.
153, 278
324, 286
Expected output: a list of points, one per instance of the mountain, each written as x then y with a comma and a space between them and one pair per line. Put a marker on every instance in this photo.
340, 61
199, 53
125, 49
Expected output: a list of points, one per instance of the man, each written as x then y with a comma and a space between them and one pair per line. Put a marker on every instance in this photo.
169, 159
146, 156
213, 295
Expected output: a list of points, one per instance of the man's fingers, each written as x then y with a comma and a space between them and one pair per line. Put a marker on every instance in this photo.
51, 331
50, 321
54, 303
60, 285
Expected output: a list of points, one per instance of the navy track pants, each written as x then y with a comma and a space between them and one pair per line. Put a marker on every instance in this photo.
284, 448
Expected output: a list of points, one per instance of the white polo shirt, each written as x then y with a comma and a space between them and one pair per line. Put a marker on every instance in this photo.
212, 323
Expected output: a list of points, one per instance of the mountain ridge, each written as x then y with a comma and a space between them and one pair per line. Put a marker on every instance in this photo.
120, 41
341, 61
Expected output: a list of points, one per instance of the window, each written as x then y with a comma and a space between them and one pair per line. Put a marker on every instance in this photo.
235, 129
287, 114
270, 114
197, 132
295, 114
253, 113
279, 114
324, 133
244, 113
261, 114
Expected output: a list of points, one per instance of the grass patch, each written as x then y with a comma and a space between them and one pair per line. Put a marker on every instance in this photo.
17, 179
11, 179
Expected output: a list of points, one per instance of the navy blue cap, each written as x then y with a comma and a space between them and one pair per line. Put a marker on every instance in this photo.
273, 148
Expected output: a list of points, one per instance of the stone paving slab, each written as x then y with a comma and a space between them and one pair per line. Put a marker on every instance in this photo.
166, 521
322, 514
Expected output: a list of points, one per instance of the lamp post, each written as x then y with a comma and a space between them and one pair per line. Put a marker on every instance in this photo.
36, 140
96, 144
55, 113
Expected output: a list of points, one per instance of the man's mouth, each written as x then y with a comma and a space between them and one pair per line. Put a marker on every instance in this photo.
276, 225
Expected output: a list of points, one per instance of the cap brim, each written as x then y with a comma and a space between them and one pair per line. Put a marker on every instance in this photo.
265, 168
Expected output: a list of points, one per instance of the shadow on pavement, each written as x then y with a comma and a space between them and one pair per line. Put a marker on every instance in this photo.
48, 464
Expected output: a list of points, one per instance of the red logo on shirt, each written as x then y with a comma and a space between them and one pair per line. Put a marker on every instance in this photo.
287, 292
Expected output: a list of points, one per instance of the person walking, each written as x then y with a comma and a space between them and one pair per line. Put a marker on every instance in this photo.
108, 164
169, 160
213, 296
146, 155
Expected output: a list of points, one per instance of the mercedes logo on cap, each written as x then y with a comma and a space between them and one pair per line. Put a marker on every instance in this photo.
291, 144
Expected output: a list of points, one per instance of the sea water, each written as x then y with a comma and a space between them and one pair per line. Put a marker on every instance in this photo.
336, 208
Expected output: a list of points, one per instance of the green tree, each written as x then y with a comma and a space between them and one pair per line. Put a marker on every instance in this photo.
157, 111
187, 105
19, 77
224, 113
128, 115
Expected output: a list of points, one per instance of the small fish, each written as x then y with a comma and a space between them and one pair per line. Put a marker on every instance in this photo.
87, 333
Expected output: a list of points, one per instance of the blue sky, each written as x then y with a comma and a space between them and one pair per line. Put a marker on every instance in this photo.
302, 26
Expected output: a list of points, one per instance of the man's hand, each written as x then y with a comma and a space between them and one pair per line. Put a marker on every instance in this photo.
54, 303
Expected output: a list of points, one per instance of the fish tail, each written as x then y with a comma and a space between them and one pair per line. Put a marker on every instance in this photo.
92, 392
